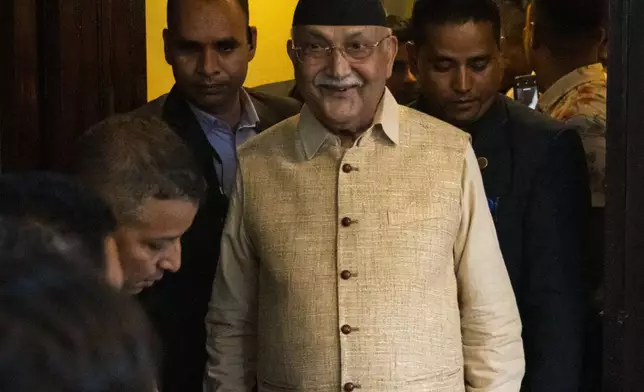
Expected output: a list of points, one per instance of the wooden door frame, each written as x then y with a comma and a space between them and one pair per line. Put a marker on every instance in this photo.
624, 261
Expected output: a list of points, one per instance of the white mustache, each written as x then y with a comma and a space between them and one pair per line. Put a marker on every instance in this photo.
323, 80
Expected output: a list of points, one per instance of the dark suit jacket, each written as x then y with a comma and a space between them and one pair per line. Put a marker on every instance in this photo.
537, 187
286, 88
178, 304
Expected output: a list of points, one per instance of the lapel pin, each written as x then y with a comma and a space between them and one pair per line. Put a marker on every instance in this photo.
483, 163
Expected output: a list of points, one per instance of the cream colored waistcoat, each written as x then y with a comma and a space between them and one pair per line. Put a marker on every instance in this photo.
356, 275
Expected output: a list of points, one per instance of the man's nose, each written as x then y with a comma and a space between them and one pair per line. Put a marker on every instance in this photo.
462, 81
172, 260
339, 67
209, 62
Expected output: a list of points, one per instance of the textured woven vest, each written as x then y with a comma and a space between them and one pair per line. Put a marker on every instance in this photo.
356, 284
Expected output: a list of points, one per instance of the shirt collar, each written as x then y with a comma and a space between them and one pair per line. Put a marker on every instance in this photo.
568, 83
249, 117
313, 134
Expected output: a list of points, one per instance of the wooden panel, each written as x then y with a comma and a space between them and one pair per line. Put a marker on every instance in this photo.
6, 35
98, 68
624, 280
61, 71
128, 54
19, 108
72, 63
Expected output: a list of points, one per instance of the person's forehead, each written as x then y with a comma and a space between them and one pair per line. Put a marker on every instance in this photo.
198, 17
458, 38
164, 218
334, 33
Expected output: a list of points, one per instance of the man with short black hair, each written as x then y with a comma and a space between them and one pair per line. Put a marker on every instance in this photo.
563, 42
534, 175
209, 44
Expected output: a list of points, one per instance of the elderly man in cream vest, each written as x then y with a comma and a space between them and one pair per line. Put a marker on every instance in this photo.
359, 251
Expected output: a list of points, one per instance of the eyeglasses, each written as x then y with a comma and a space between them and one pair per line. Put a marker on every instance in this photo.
353, 53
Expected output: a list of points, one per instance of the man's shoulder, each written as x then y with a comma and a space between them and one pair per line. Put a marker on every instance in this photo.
278, 89
535, 135
274, 140
530, 124
273, 109
153, 108
418, 126
587, 102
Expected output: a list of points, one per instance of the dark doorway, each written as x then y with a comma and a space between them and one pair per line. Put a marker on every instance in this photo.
624, 262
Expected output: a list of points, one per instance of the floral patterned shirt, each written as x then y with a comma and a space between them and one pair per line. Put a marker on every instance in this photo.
579, 99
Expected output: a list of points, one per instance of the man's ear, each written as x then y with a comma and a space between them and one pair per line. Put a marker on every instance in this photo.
392, 52
252, 41
602, 36
529, 31
113, 267
412, 55
291, 52
166, 46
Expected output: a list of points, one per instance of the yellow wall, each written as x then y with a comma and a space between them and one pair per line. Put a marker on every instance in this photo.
273, 20
399, 7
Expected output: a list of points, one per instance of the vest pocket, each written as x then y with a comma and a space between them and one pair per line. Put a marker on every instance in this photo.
271, 386
438, 206
450, 380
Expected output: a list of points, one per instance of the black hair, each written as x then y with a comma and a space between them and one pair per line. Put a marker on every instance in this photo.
400, 28
442, 12
75, 215
130, 159
173, 11
63, 329
563, 26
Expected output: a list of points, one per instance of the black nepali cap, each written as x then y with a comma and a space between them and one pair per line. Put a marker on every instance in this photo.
340, 13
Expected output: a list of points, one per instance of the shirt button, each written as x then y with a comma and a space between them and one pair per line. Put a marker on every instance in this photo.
349, 387
346, 275
346, 221
347, 168
346, 329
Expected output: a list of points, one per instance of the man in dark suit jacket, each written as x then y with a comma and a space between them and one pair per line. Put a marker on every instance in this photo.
534, 174
209, 46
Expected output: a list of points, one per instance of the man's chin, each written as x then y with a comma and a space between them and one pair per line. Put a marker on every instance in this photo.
137, 288
210, 103
462, 118
133, 290
215, 102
